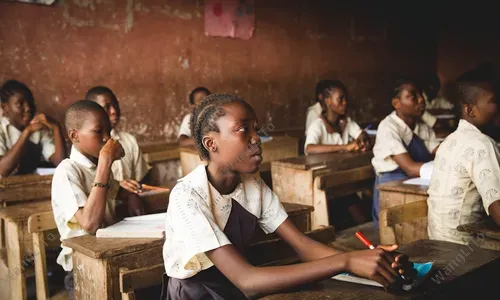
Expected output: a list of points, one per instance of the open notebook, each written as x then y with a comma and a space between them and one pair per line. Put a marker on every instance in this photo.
147, 226
422, 269
425, 175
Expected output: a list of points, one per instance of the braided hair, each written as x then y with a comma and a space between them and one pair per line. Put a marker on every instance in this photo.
206, 114
12, 87
325, 88
196, 91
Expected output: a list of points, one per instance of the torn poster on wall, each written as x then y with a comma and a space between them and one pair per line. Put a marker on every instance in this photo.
45, 2
230, 18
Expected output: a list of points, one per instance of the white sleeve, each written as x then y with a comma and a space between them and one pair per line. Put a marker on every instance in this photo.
190, 231
273, 212
388, 142
185, 128
486, 174
353, 129
314, 134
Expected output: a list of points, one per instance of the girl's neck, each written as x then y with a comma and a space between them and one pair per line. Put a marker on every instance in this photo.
332, 117
222, 179
410, 121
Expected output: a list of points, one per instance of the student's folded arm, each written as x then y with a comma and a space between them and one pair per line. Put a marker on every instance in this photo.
10, 160
409, 166
306, 248
186, 141
317, 148
91, 216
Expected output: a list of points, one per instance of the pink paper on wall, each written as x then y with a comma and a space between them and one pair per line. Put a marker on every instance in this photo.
230, 18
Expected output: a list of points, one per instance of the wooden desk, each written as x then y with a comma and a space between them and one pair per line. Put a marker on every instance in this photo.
293, 178
22, 188
474, 276
97, 261
279, 147
19, 243
487, 234
396, 193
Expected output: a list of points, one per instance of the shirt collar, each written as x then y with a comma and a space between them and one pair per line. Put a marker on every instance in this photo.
198, 181
114, 134
402, 123
5, 121
78, 157
465, 125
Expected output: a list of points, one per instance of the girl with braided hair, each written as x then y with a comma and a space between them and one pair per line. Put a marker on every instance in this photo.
215, 210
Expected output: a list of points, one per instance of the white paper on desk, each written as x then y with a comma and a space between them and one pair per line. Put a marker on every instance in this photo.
45, 171
355, 279
265, 139
133, 229
371, 131
445, 116
418, 181
150, 217
152, 192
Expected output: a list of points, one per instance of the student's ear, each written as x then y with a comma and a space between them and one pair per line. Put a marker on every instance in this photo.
469, 110
5, 107
209, 143
73, 136
395, 103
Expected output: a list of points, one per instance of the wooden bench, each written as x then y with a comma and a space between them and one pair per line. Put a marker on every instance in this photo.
337, 184
395, 227
164, 160
136, 279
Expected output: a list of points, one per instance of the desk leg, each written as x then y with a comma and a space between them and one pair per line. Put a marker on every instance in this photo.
15, 253
91, 278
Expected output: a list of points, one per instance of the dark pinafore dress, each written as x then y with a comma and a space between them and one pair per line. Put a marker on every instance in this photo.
211, 283
418, 152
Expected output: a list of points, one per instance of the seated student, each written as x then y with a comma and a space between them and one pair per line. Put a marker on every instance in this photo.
332, 131
465, 184
314, 111
26, 138
132, 169
403, 142
215, 210
83, 188
195, 98
433, 101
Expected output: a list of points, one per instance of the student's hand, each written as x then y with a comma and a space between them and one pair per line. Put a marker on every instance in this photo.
112, 150
46, 121
34, 127
135, 205
130, 185
372, 264
352, 146
401, 262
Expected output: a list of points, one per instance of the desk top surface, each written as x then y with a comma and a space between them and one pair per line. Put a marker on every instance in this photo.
107, 247
399, 186
443, 253
21, 180
307, 162
21, 212
488, 228
276, 142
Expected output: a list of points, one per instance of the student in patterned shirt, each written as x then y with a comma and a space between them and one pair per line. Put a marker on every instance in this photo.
465, 184
215, 210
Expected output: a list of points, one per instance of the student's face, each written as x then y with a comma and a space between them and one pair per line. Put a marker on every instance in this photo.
198, 97
19, 111
410, 102
111, 107
484, 111
93, 134
337, 101
237, 142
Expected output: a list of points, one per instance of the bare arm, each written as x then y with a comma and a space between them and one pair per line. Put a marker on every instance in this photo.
494, 211
60, 152
10, 160
186, 141
319, 148
91, 216
409, 166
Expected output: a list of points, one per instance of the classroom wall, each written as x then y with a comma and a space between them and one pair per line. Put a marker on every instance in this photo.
469, 35
153, 52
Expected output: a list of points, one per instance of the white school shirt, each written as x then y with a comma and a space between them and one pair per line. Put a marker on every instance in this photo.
197, 215
392, 136
132, 165
71, 185
185, 128
465, 182
313, 112
10, 134
317, 134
